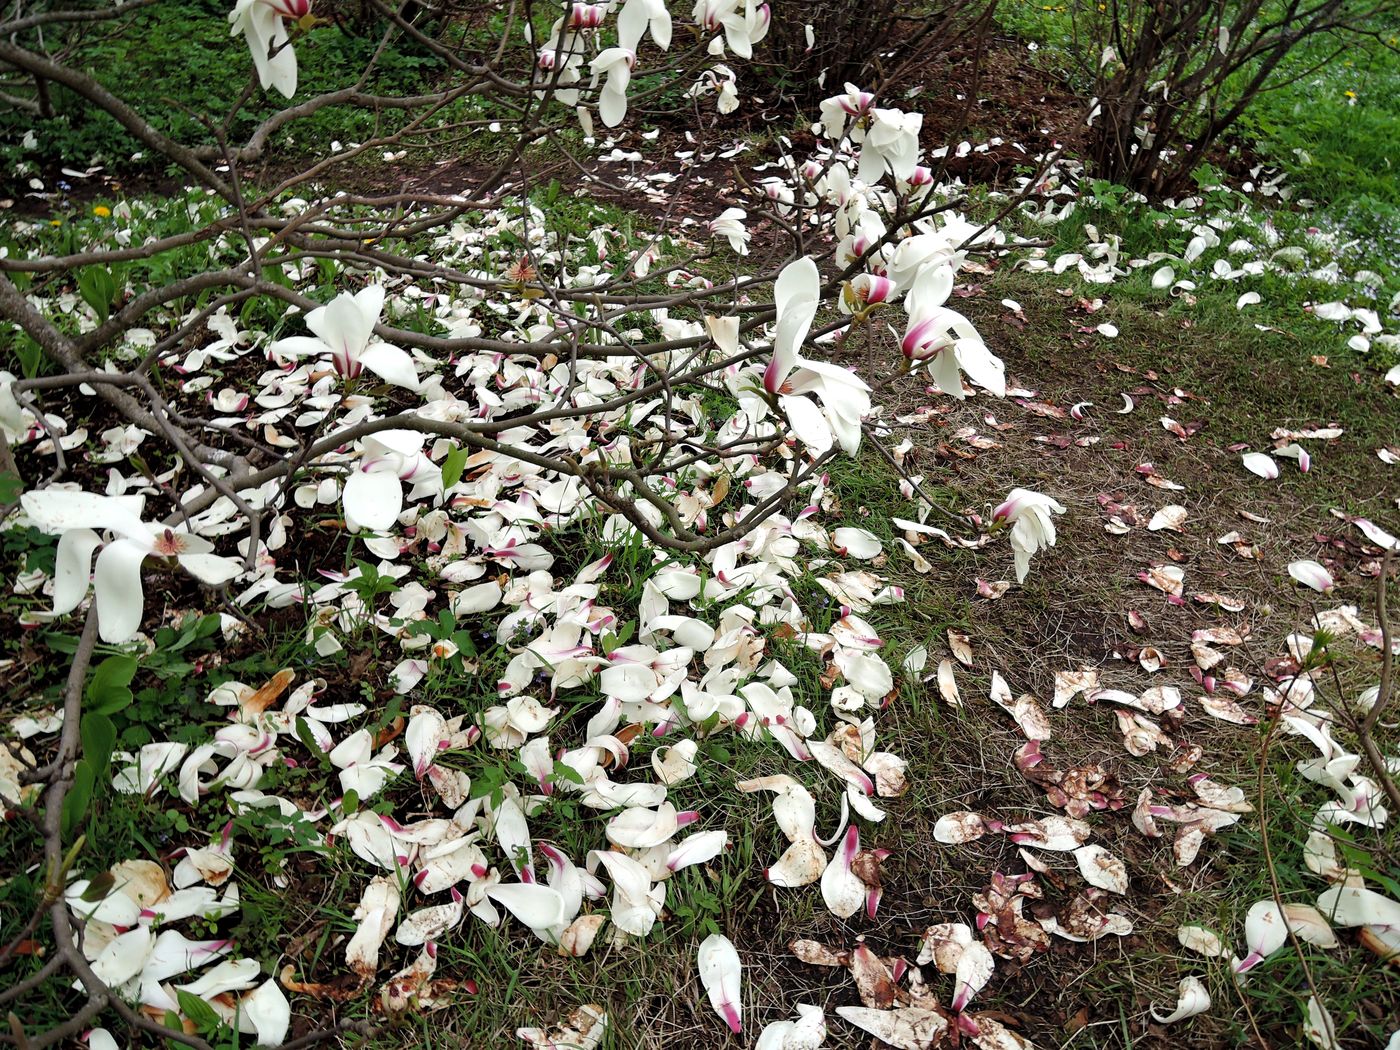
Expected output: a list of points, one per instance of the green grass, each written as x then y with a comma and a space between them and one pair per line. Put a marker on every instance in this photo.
1335, 129
177, 64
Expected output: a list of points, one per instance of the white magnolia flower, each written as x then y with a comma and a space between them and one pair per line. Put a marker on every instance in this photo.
891, 144
614, 63
744, 22
844, 397
373, 493
1032, 526
344, 329
945, 338
730, 224
75, 516
260, 22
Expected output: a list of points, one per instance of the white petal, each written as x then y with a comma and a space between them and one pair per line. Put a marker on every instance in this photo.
117, 581
1258, 463
72, 567
267, 1012
722, 975
842, 890
392, 365
373, 499
1311, 574
538, 907
1192, 999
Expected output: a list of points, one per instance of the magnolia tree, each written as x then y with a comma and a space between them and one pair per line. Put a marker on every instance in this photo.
457, 381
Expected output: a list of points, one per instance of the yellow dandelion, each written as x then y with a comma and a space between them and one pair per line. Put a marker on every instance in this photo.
102, 211
1349, 94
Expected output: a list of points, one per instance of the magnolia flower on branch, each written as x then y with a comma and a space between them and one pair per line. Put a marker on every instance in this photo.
75, 517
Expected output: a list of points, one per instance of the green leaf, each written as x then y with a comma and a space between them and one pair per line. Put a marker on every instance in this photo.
350, 804
98, 289
109, 691
452, 466
11, 485
198, 1011
79, 797
303, 732
563, 771
99, 737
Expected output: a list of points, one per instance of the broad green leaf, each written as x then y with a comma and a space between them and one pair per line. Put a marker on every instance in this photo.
452, 466
109, 691
79, 797
198, 1011
98, 289
99, 737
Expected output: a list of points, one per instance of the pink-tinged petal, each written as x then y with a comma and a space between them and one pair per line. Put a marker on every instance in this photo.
1260, 464
117, 581
392, 365
974, 969
721, 973
1310, 574
841, 888
424, 737
697, 849
72, 568
372, 499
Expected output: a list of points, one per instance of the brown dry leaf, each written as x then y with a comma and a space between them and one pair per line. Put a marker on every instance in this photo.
266, 694
1007, 932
